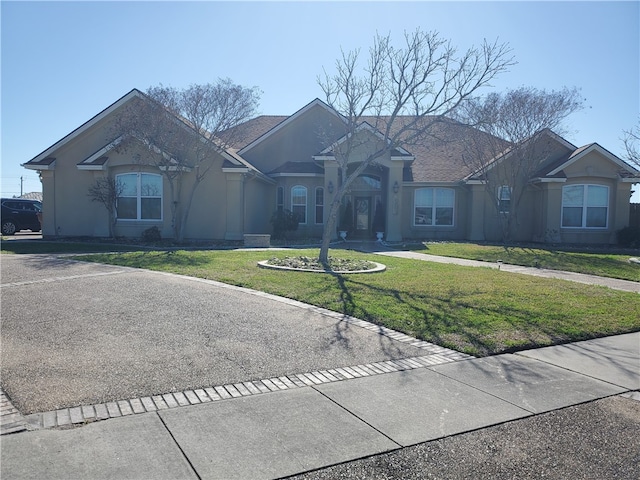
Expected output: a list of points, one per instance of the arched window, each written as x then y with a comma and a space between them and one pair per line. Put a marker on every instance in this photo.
585, 206
433, 206
319, 205
139, 196
299, 202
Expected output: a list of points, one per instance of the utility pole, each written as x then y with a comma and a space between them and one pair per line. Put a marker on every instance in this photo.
21, 181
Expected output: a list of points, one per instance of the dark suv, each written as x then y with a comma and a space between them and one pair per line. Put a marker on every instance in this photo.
20, 214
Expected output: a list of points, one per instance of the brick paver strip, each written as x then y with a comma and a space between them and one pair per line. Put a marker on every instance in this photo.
136, 405
192, 397
63, 417
213, 395
148, 404
101, 411
352, 372
321, 377
170, 400
222, 392
181, 399
252, 388
242, 389
344, 373
278, 383
270, 385
202, 395
75, 414
125, 407
328, 375
159, 402
288, 382
296, 381
261, 386
88, 412
306, 380
233, 391
112, 408
49, 419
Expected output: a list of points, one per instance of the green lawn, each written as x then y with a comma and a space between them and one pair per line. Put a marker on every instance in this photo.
603, 264
480, 311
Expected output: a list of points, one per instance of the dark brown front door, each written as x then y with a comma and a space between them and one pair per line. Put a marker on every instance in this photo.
363, 216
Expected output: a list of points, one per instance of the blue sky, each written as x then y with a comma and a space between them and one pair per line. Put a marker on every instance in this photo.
63, 62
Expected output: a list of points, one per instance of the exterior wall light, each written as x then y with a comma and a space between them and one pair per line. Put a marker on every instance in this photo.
330, 186
396, 187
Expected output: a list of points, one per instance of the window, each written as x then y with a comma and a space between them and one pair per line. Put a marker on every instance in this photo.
504, 199
140, 196
434, 206
299, 202
585, 206
319, 204
280, 199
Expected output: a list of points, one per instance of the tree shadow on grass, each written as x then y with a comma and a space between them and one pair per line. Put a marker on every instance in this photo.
446, 320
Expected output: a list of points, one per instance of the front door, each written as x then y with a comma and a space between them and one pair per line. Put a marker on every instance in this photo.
363, 216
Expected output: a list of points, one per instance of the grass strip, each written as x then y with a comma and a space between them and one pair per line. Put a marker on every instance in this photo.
613, 265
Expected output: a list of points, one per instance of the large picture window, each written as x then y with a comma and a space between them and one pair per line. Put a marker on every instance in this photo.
140, 196
585, 206
299, 202
433, 206
319, 205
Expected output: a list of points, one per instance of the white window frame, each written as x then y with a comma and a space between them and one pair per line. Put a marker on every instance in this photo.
434, 206
139, 196
319, 218
585, 206
306, 199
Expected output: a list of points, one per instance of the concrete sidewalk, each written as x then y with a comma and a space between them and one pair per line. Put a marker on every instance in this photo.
613, 283
297, 429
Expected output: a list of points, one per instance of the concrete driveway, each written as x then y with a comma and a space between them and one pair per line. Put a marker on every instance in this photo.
78, 333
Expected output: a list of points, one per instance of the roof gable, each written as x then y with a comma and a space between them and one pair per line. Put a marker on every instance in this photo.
585, 150
288, 121
38, 159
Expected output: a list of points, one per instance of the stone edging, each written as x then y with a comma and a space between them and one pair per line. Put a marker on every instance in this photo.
85, 414
379, 267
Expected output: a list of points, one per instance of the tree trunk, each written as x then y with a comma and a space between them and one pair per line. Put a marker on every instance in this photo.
186, 209
329, 229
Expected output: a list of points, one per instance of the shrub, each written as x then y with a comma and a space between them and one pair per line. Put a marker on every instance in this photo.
151, 234
346, 218
629, 236
283, 221
378, 218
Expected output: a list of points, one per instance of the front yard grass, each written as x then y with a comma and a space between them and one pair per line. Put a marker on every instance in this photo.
612, 265
479, 311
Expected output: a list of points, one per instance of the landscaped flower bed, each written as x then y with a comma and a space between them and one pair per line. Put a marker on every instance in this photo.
313, 264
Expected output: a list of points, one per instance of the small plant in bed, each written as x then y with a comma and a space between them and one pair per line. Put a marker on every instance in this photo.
311, 263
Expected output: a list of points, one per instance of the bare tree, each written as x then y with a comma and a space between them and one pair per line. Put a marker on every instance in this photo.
632, 145
106, 190
521, 125
180, 132
403, 92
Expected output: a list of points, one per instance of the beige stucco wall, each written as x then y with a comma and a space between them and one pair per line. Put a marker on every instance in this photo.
217, 210
298, 141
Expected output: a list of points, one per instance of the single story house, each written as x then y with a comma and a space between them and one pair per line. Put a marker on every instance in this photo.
426, 191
